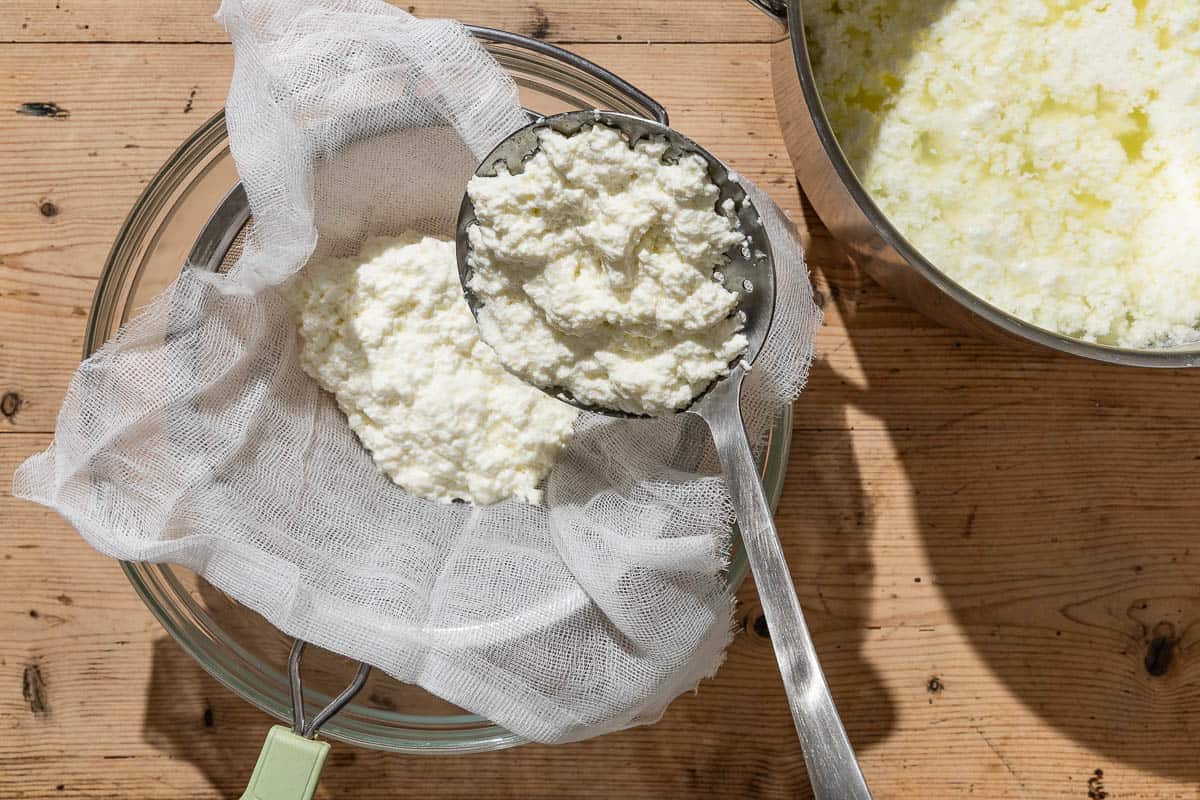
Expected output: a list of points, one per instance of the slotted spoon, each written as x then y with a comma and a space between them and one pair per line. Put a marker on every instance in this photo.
832, 768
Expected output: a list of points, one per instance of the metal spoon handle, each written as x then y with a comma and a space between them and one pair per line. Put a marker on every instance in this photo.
832, 768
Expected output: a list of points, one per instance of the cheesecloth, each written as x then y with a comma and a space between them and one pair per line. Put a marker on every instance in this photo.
194, 437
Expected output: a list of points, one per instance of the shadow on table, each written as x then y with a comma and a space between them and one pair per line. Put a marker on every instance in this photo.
196, 720
826, 527
733, 738
1055, 501
725, 741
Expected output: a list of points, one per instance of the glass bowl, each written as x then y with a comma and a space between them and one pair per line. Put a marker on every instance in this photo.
192, 215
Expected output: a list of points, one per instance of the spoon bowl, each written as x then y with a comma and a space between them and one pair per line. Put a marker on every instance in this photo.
749, 270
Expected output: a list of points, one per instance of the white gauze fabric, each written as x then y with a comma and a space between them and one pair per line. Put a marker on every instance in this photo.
194, 437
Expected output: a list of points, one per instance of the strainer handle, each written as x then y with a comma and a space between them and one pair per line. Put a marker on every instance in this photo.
291, 761
832, 768
288, 767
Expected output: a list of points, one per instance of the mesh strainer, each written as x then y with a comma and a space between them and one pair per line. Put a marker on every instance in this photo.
194, 214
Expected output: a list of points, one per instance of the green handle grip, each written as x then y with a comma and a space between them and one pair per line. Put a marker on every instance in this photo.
288, 767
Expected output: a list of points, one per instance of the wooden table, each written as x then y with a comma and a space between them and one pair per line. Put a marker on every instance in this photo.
994, 547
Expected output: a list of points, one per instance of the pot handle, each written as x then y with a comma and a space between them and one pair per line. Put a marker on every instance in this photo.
776, 9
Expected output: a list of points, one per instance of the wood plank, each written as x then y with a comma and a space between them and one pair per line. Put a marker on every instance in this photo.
565, 21
70, 181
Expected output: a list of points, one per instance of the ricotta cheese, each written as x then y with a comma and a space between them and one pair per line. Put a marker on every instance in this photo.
389, 334
1043, 153
594, 270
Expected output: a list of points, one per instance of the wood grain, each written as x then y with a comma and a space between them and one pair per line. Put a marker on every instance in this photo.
994, 547
566, 21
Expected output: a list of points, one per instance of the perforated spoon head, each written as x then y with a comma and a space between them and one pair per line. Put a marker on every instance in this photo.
749, 270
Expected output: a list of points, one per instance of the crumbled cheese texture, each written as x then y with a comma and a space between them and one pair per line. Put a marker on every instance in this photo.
389, 333
594, 270
1043, 153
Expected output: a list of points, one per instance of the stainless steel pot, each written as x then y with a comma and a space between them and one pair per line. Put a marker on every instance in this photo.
871, 239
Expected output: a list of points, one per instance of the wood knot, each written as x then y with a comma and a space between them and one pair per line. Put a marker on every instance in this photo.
541, 23
43, 110
1095, 786
935, 685
760, 627
33, 689
48, 209
10, 404
1161, 649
